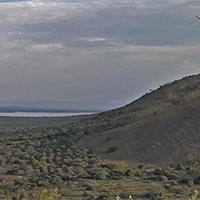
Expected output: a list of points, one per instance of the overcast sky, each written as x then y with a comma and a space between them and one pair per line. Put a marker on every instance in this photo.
100, 51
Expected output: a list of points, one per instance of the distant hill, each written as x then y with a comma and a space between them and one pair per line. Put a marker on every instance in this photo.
13, 109
160, 127
53, 106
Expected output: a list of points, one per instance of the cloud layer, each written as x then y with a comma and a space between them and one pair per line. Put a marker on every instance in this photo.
95, 51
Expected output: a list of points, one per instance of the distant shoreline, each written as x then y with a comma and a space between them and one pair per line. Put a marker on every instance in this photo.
14, 109
43, 114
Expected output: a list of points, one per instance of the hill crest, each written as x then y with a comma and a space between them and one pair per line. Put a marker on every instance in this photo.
161, 126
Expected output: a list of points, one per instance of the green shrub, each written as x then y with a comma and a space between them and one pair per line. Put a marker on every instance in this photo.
57, 181
180, 167
42, 184
163, 178
44, 194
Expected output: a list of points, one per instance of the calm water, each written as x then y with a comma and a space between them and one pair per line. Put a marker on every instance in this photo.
42, 114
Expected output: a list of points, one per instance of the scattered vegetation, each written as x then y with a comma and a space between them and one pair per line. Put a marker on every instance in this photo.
33, 161
36, 159
22, 125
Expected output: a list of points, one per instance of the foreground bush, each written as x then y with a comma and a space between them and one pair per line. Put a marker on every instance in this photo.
47, 195
194, 196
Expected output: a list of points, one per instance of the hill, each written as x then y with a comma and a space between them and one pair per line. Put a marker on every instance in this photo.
133, 141
160, 127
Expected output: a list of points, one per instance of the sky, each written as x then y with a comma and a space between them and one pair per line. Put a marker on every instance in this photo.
98, 51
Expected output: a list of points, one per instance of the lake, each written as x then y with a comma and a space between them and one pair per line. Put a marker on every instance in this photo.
42, 114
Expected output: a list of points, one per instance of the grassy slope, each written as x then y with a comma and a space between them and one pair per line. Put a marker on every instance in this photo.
162, 126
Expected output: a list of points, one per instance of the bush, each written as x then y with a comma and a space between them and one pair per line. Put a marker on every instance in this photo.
168, 173
185, 180
163, 178
12, 171
89, 187
180, 167
57, 181
22, 194
42, 184
111, 149
156, 193
45, 194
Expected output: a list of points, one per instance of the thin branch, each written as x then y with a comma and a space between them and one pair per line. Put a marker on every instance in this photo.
197, 17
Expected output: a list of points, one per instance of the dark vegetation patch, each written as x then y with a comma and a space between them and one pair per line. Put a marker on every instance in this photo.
22, 125
112, 149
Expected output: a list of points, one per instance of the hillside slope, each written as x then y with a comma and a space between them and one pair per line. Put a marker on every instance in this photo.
161, 126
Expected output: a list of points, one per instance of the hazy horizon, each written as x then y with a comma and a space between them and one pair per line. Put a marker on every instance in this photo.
59, 106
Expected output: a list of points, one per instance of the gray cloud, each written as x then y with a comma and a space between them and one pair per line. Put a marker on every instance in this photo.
95, 51
129, 22
33, 12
